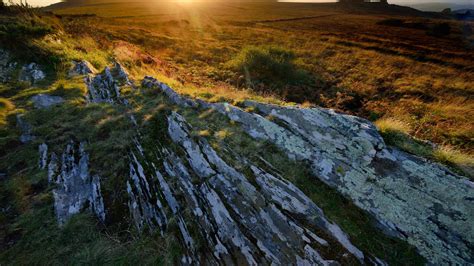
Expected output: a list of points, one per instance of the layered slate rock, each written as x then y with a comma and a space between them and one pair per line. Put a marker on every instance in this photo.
239, 222
411, 198
75, 188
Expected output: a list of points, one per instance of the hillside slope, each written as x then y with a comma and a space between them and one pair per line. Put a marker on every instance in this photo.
102, 164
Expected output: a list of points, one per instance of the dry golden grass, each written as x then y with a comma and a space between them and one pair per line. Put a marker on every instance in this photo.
361, 67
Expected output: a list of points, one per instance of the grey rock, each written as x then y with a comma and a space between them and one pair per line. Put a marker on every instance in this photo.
106, 86
31, 73
176, 98
410, 197
43, 152
75, 188
102, 88
41, 101
238, 221
81, 68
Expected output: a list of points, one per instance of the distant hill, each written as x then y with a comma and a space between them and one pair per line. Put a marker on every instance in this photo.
366, 8
438, 6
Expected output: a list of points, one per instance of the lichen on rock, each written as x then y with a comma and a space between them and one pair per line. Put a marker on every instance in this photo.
237, 220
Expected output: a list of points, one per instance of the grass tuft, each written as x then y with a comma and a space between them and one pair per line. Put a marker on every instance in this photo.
272, 65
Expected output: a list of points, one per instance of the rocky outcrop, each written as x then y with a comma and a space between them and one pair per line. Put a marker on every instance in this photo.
228, 215
41, 101
106, 86
31, 73
411, 198
80, 68
75, 189
240, 222
102, 88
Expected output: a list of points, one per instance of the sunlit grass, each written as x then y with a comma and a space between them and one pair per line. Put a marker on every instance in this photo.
397, 133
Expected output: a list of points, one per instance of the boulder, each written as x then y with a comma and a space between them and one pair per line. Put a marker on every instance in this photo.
103, 88
121, 73
31, 73
41, 101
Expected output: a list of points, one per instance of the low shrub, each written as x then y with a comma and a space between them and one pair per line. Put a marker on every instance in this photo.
272, 66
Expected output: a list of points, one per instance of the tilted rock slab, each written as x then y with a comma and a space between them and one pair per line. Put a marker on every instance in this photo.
241, 223
75, 189
411, 198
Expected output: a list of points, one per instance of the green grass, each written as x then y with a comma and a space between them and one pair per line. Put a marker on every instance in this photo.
83, 242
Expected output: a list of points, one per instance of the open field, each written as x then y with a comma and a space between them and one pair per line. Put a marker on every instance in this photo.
359, 66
